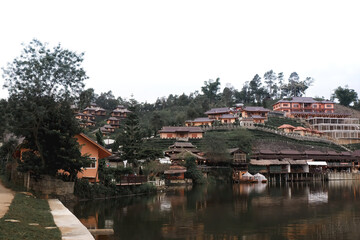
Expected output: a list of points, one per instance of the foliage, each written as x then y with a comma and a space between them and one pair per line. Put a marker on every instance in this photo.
215, 147
28, 209
107, 101
99, 138
42, 82
345, 95
86, 98
43, 72
153, 168
192, 171
210, 89
130, 138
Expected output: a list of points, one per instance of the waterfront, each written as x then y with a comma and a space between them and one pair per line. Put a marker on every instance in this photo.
312, 210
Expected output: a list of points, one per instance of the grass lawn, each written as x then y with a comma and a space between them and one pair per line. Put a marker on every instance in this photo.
28, 209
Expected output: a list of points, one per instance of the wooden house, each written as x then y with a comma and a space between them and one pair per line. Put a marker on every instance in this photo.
89, 110
216, 113
95, 152
120, 112
199, 122
181, 132
114, 122
107, 129
287, 128
301, 131
305, 105
100, 111
180, 150
175, 172
228, 119
258, 114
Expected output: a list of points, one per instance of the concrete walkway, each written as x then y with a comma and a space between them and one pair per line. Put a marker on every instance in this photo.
6, 197
71, 228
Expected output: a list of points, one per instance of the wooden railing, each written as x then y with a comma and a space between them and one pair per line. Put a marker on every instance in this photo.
132, 180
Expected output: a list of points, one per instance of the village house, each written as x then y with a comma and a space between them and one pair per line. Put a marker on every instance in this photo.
304, 105
120, 112
199, 122
180, 150
256, 114
228, 119
95, 152
181, 132
114, 122
107, 129
216, 113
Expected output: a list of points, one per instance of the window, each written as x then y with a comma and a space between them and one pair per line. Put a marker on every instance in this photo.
92, 164
315, 105
285, 105
296, 105
329, 106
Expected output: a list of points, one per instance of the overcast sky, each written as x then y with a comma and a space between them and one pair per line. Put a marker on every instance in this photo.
153, 48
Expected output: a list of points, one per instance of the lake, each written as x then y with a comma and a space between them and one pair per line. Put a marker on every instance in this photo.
312, 210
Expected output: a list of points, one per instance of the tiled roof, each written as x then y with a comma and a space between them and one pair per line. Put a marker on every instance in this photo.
218, 110
183, 144
181, 129
290, 152
314, 152
303, 100
203, 120
286, 126
227, 116
257, 117
255, 109
113, 118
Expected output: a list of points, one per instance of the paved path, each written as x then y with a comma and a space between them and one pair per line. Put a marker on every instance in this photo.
71, 228
6, 196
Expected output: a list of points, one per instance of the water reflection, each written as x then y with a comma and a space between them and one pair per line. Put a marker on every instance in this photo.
241, 211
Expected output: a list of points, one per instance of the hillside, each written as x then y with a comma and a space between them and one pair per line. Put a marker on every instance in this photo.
342, 109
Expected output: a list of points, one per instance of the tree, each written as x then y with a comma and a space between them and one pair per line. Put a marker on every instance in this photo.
107, 101
130, 138
215, 147
99, 138
270, 78
295, 87
86, 97
345, 95
42, 83
210, 89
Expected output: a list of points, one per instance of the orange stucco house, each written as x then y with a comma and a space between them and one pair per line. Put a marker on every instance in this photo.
95, 152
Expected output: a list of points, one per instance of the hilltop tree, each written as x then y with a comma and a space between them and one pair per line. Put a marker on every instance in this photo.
42, 83
270, 78
295, 87
107, 100
86, 97
345, 95
210, 89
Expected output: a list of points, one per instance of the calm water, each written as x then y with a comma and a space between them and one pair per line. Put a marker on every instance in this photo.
294, 211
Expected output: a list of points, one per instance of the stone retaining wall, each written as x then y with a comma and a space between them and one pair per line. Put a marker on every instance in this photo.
48, 185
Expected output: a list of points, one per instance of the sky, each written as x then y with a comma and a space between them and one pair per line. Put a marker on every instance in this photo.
150, 49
